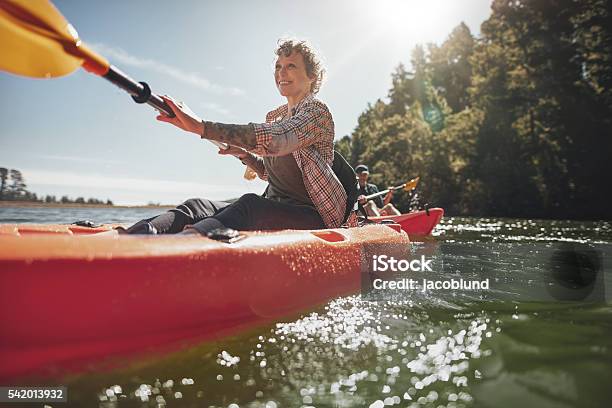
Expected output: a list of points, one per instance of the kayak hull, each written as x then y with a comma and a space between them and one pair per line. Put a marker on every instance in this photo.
415, 224
68, 299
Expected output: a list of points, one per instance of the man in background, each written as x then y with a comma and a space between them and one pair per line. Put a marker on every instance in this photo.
377, 205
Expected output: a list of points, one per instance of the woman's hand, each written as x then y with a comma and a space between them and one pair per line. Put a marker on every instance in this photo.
236, 151
184, 118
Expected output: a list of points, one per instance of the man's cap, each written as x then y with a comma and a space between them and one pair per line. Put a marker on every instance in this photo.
362, 168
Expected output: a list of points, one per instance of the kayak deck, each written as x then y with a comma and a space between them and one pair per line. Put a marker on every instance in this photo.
69, 298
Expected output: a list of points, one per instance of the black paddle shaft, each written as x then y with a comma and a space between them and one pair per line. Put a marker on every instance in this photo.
140, 91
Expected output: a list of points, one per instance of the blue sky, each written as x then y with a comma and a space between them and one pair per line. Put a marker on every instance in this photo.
81, 136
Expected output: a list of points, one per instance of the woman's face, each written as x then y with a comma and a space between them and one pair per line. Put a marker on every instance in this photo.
290, 76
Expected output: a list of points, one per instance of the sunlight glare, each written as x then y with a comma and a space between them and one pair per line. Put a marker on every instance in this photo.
420, 20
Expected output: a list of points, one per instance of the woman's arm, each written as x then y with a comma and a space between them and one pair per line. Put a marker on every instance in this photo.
311, 124
247, 158
256, 163
236, 135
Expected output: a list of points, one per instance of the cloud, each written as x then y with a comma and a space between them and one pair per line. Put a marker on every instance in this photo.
216, 108
77, 159
190, 78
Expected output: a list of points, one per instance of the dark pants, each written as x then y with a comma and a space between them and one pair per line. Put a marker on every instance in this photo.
250, 212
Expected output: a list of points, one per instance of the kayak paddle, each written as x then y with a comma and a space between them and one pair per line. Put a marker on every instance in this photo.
407, 186
38, 42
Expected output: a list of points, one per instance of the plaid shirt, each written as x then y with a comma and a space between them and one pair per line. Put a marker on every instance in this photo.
309, 136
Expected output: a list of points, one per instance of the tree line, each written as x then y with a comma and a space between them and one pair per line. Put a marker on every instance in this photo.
14, 188
515, 122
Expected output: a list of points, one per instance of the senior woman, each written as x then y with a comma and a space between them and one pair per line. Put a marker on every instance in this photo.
292, 150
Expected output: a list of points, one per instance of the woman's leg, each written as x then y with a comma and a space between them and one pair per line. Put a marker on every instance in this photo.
174, 220
253, 212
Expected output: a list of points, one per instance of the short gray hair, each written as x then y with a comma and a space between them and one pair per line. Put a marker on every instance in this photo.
314, 66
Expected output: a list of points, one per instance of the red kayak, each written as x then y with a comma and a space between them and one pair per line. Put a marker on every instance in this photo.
418, 223
70, 297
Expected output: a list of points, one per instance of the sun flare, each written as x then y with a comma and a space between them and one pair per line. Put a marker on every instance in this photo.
423, 21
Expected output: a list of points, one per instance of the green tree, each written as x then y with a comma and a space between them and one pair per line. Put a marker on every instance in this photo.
17, 188
451, 70
543, 137
3, 179
402, 93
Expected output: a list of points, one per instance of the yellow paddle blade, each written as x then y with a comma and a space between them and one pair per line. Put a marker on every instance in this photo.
37, 41
249, 174
412, 184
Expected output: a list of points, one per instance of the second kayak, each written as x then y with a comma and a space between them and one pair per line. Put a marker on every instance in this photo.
418, 223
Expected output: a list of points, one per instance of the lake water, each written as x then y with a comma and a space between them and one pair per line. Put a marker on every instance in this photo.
520, 344
63, 215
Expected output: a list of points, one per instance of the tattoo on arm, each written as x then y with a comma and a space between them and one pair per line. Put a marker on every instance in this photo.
237, 135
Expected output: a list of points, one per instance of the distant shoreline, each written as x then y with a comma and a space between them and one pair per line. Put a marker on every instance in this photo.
33, 204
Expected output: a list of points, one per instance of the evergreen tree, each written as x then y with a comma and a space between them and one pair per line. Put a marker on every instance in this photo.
451, 70
3, 179
17, 188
